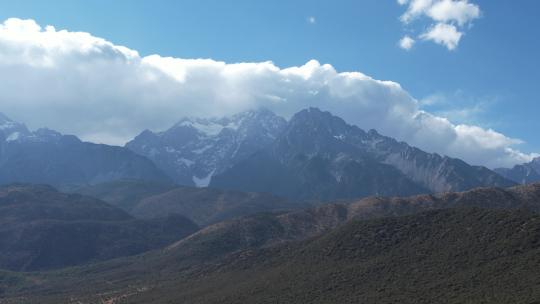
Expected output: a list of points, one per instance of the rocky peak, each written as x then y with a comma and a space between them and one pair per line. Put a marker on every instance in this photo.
10, 129
195, 148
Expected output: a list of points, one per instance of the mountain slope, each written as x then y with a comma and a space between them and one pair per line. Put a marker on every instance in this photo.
448, 256
207, 206
195, 149
41, 228
459, 255
204, 206
124, 194
319, 156
48, 157
523, 174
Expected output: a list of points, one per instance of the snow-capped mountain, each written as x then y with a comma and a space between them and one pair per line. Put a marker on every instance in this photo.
11, 130
523, 174
195, 149
48, 157
320, 156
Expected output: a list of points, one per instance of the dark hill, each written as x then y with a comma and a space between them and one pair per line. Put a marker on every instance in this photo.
41, 228
124, 194
208, 206
204, 206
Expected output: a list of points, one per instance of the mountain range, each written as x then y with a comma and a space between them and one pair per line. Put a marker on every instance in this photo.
48, 157
320, 156
313, 156
524, 173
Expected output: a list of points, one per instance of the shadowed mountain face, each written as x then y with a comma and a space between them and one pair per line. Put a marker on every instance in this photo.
523, 174
204, 206
41, 228
124, 194
195, 149
208, 206
460, 255
48, 157
319, 156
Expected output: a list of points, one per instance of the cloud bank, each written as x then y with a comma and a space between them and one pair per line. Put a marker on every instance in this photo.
84, 85
449, 17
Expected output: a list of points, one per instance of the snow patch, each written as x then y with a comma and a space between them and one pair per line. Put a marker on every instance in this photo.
201, 150
14, 136
209, 128
8, 125
186, 162
170, 150
203, 182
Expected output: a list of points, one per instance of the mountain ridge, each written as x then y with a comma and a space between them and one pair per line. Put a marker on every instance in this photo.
523, 173
320, 152
45, 156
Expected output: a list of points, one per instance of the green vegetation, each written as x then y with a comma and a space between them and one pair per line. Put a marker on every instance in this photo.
445, 256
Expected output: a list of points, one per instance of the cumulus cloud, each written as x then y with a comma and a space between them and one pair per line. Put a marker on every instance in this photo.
444, 34
406, 43
449, 18
460, 12
81, 84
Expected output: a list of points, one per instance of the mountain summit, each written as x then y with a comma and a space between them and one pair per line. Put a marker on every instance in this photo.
11, 130
195, 149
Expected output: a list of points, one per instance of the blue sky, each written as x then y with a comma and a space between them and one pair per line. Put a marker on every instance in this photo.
490, 80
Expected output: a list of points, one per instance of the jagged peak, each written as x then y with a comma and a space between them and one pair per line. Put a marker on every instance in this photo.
212, 126
315, 114
11, 129
6, 122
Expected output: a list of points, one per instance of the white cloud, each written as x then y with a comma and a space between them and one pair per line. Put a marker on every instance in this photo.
84, 85
406, 43
311, 20
416, 9
460, 12
449, 18
444, 34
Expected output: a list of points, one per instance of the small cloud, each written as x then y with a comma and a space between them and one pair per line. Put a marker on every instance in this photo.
450, 18
406, 43
311, 20
443, 34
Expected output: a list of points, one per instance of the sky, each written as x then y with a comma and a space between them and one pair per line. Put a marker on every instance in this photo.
450, 76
